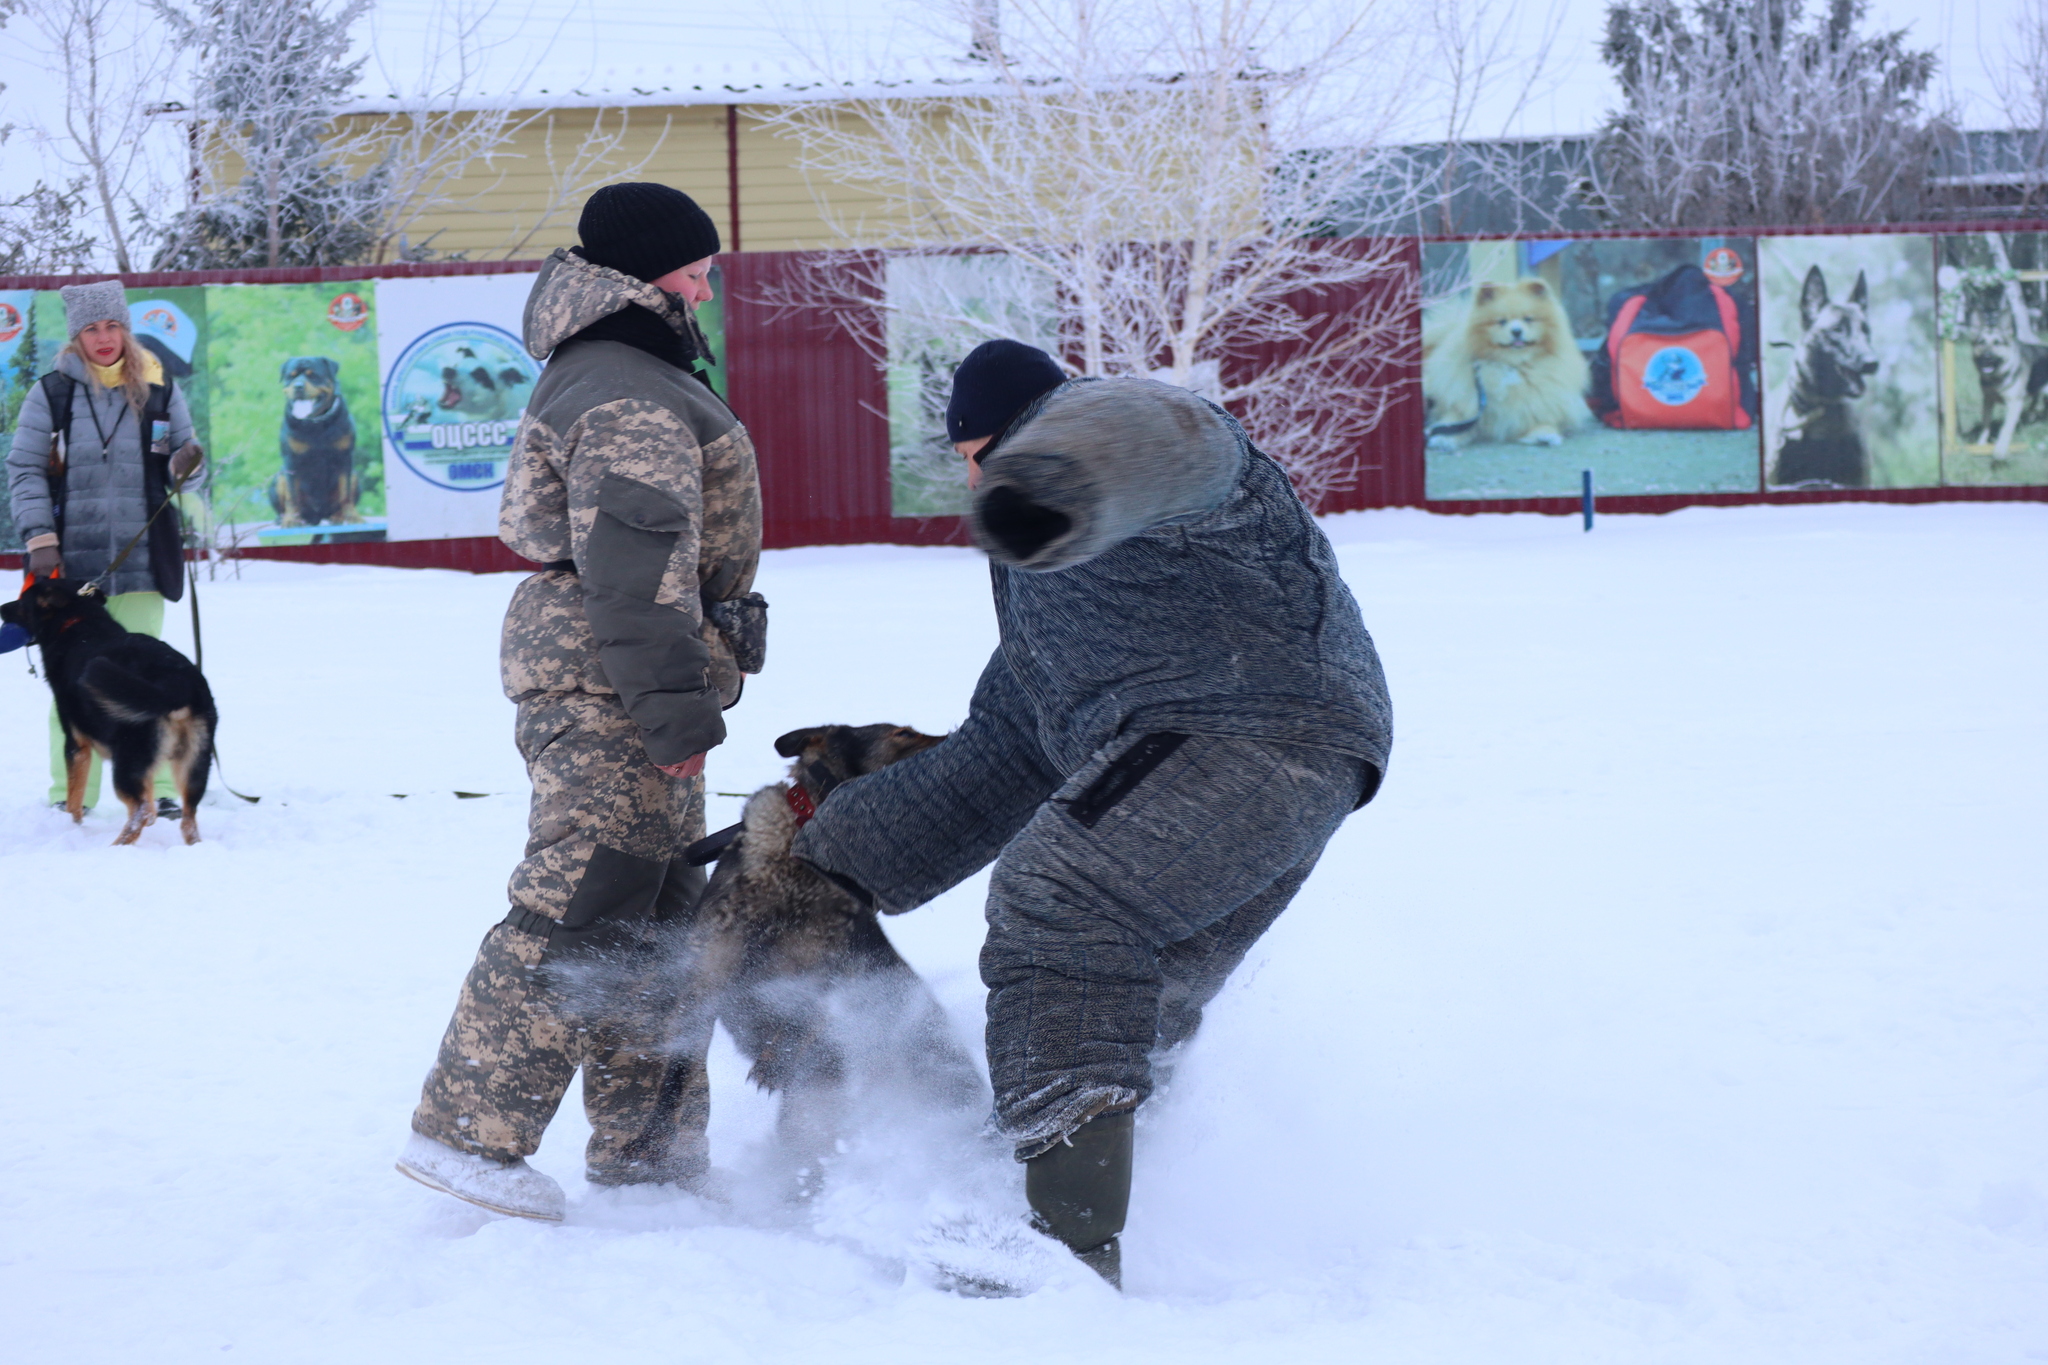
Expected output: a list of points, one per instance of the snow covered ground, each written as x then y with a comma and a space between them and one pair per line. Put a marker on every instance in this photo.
1683, 997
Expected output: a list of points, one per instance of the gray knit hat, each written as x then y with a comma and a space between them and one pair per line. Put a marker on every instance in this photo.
85, 304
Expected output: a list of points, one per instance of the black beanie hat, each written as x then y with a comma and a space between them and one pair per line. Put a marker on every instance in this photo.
994, 384
645, 230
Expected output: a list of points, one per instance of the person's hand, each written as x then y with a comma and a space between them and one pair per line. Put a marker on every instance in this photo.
692, 766
186, 460
45, 562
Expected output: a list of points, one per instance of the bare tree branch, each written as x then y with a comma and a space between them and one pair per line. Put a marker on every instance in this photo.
113, 70
1138, 165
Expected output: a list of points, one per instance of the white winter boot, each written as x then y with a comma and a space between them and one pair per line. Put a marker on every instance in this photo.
501, 1186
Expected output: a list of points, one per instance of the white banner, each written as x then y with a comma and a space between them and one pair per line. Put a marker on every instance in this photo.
455, 380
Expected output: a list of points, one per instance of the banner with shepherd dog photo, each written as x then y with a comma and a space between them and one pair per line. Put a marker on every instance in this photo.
1992, 324
1635, 358
1849, 362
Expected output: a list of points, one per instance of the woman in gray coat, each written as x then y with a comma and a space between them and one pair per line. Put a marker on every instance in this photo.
82, 494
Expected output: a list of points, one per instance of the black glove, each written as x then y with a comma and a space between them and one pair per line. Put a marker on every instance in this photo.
743, 622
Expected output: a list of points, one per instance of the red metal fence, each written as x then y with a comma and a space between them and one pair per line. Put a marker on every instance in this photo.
816, 406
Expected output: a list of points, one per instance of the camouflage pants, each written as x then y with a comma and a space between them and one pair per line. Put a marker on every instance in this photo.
571, 978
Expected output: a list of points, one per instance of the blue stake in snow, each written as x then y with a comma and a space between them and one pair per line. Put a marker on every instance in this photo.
1586, 496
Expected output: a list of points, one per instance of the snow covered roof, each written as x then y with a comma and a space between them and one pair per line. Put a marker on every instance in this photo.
584, 53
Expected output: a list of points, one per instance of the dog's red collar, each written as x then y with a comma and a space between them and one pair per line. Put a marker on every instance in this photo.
801, 804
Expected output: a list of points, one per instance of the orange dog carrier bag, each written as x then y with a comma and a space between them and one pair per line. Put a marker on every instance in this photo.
1677, 356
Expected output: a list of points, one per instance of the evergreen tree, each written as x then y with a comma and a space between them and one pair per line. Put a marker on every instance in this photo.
272, 75
1742, 113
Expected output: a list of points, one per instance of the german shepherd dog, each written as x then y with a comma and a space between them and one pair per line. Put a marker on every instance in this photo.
2012, 376
318, 484
1819, 442
2007, 347
799, 971
122, 695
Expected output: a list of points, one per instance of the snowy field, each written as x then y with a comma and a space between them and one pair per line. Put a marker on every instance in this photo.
1683, 997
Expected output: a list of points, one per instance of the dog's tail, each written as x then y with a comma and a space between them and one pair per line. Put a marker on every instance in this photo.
128, 696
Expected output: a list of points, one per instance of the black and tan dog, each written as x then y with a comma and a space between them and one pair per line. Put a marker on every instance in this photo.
799, 971
1820, 443
128, 697
318, 484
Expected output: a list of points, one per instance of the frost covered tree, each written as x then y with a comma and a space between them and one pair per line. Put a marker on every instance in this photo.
304, 168
2020, 89
45, 231
1143, 169
270, 76
1745, 113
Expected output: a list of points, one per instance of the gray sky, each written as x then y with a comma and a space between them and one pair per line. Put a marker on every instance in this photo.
622, 44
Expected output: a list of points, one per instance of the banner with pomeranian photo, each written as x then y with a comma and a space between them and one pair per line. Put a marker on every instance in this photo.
1635, 358
1850, 373
1992, 326
292, 371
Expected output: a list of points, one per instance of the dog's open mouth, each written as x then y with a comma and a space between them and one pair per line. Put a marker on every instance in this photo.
302, 408
451, 397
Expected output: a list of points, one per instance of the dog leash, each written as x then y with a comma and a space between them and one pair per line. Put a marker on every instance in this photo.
94, 586
199, 662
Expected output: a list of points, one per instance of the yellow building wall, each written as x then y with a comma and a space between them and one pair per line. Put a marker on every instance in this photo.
522, 202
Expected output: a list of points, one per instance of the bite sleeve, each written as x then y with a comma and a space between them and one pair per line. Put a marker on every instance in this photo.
1099, 461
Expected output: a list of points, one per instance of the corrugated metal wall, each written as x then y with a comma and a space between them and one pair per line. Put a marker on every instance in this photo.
817, 409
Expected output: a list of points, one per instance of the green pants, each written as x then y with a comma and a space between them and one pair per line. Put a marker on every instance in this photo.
142, 612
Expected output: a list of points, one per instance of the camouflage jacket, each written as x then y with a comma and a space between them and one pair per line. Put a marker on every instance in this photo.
637, 475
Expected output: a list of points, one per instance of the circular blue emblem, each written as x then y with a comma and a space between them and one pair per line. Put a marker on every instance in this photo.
1674, 376
453, 402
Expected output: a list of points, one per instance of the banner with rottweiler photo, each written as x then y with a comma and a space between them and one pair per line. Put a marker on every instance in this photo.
1635, 358
1849, 362
1992, 324
292, 373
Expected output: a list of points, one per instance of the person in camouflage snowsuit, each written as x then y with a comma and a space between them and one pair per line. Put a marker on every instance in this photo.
635, 486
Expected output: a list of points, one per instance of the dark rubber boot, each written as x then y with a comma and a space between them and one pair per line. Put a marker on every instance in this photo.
1080, 1191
